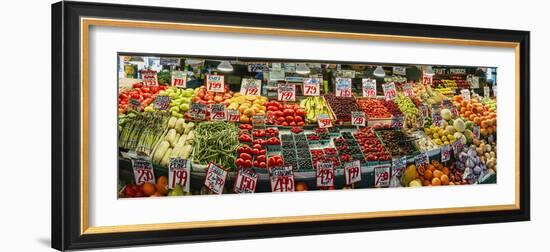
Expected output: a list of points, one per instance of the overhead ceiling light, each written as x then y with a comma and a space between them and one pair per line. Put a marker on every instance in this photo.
379, 72
302, 69
429, 71
225, 66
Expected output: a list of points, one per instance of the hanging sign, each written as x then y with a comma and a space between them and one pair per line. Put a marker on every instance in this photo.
352, 172
170, 61
369, 88
286, 92
257, 68
233, 115
389, 91
215, 178
399, 70
382, 175
324, 121
465, 93
281, 179
407, 89
217, 112
311, 86
343, 87
215, 83
179, 79
445, 153
143, 170
474, 81
179, 173
427, 79
245, 181
149, 78
358, 118
460, 71
276, 75
251, 87
325, 174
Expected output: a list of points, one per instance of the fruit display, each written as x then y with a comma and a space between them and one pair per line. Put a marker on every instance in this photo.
396, 142
143, 95
216, 142
314, 106
201, 95
423, 142
180, 100
487, 153
446, 91
247, 105
374, 108
285, 114
409, 110
341, 106
441, 136
370, 145
428, 95
478, 113
474, 170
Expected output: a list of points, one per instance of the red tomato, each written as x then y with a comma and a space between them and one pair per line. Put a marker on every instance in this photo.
290, 119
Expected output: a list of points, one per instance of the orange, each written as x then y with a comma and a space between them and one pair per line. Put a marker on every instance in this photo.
426, 183
162, 189
428, 175
421, 169
436, 182
301, 186
149, 189
445, 170
431, 168
162, 180
437, 174
444, 179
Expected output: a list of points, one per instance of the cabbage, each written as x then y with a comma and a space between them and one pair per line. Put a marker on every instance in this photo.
459, 125
446, 114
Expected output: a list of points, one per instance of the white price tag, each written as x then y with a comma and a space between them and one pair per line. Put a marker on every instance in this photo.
476, 131
233, 115
445, 153
245, 181
399, 70
369, 88
422, 161
486, 92
465, 93
215, 83
358, 118
324, 121
343, 87
179, 79
198, 111
143, 170
382, 175
325, 174
352, 172
218, 112
407, 89
286, 92
311, 86
390, 93
427, 79
251, 87
215, 178
281, 179
179, 173
398, 166
149, 78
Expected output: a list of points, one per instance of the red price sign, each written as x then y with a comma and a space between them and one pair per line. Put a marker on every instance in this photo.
311, 86
233, 115
427, 79
281, 179
382, 175
422, 161
445, 153
286, 92
407, 89
251, 87
245, 181
143, 170
325, 174
215, 178
398, 166
149, 78
179, 79
179, 173
358, 118
324, 121
343, 87
369, 88
215, 83
390, 93
352, 172
217, 112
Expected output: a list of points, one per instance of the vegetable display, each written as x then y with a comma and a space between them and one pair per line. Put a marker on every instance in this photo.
216, 142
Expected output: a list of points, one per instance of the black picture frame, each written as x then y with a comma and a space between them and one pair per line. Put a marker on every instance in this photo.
66, 152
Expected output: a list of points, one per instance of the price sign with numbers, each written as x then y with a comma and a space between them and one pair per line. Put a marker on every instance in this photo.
311, 86
217, 112
352, 172
423, 110
422, 161
258, 120
134, 104
281, 179
465, 93
390, 93
369, 88
179, 79
245, 181
149, 78
179, 173
397, 122
476, 131
198, 111
399, 70
457, 147
407, 89
437, 119
286, 92
382, 175
215, 83
343, 87
162, 102
233, 115
251, 87
143, 170
427, 79
215, 178
448, 104
358, 118
445, 153
324, 121
486, 92
325, 174
398, 166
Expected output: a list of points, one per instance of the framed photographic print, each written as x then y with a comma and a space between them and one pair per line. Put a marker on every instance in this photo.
183, 125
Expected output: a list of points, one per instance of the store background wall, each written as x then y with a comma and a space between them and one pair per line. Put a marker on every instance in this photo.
25, 124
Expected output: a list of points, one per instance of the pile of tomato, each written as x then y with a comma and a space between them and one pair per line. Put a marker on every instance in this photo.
143, 94
285, 114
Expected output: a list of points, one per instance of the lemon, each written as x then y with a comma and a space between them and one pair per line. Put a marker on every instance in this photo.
438, 141
435, 136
